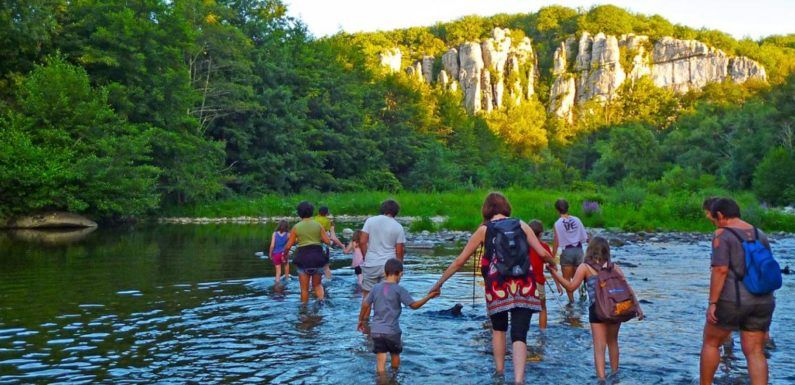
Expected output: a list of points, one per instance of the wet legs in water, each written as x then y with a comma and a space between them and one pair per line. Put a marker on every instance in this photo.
380, 362
753, 344
519, 355
568, 273
316, 279
605, 335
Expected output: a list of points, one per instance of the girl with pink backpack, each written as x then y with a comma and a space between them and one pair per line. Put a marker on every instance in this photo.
611, 300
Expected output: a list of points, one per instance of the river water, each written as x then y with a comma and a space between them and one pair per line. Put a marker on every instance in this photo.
186, 304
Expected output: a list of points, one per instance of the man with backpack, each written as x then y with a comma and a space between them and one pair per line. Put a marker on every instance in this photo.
744, 276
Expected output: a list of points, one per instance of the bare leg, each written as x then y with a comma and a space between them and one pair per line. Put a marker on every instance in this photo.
542, 318
278, 272
395, 361
359, 278
710, 352
317, 284
327, 270
599, 334
568, 273
754, 349
519, 361
287, 269
380, 363
303, 281
498, 347
612, 346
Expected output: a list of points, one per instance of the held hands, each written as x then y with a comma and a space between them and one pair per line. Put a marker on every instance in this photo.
434, 294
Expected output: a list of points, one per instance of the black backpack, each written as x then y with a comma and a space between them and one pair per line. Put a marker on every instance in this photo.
507, 248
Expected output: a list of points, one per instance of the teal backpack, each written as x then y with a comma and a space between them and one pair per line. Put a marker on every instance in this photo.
762, 272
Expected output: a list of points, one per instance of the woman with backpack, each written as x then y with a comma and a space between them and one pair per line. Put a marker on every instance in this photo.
509, 284
607, 288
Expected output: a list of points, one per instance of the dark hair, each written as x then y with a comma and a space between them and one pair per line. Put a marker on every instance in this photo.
323, 210
707, 205
598, 251
537, 227
390, 207
495, 203
393, 267
356, 235
283, 226
562, 206
305, 209
726, 206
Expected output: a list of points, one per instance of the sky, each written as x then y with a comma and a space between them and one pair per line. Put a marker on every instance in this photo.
746, 18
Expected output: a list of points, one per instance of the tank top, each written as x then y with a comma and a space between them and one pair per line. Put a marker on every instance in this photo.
590, 285
308, 233
280, 240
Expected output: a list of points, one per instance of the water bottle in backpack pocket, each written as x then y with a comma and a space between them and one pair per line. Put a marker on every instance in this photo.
614, 300
507, 245
762, 273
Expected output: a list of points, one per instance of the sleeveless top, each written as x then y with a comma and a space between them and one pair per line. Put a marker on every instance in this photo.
280, 240
308, 233
504, 294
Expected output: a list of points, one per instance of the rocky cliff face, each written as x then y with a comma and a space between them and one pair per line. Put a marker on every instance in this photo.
498, 69
681, 65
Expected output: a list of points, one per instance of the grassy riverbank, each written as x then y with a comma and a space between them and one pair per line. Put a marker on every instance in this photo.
628, 209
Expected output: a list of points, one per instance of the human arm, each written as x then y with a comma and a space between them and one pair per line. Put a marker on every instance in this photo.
400, 251
418, 304
273, 244
364, 314
536, 244
334, 237
349, 249
718, 274
291, 239
363, 239
324, 237
474, 242
555, 241
575, 282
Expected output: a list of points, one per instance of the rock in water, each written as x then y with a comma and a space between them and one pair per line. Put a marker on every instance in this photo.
57, 219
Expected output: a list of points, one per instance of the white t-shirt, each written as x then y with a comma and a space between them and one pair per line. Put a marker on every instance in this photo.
384, 234
570, 231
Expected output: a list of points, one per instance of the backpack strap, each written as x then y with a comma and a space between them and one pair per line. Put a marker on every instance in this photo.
737, 276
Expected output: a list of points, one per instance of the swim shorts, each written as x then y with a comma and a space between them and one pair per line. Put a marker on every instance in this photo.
278, 258
750, 318
371, 275
387, 343
572, 256
309, 259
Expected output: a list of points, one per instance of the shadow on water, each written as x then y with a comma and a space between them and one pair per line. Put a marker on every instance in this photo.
177, 304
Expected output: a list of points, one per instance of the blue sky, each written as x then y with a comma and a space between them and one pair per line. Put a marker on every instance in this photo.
748, 18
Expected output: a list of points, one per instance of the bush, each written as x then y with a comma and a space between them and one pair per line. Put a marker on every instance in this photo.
422, 224
774, 179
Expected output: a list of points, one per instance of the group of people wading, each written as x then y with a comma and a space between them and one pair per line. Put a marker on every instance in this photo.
512, 264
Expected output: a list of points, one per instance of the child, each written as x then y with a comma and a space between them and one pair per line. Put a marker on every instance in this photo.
604, 334
278, 241
386, 298
357, 260
328, 226
538, 271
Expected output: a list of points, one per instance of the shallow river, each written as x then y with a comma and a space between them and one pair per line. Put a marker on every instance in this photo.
186, 304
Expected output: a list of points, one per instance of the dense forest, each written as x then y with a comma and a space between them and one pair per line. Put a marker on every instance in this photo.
119, 108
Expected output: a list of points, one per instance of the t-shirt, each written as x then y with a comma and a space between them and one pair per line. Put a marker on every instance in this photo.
386, 298
570, 231
384, 234
726, 247
308, 233
538, 263
324, 221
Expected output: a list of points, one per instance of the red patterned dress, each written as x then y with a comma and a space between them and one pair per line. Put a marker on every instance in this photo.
507, 293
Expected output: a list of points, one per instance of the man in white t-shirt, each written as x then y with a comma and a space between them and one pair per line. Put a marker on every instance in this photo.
382, 238
570, 236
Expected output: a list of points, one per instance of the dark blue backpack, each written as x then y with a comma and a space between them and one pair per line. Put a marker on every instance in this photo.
762, 272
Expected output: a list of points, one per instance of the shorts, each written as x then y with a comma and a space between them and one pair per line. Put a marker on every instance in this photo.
278, 258
749, 318
371, 275
520, 323
309, 259
572, 256
387, 343
357, 270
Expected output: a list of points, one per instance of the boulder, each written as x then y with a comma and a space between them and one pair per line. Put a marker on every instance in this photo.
57, 219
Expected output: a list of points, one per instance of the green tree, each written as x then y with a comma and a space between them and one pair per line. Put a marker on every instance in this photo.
774, 180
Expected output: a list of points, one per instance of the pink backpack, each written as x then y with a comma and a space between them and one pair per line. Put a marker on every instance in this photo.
614, 299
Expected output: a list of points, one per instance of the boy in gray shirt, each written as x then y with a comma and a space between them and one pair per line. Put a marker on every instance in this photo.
385, 298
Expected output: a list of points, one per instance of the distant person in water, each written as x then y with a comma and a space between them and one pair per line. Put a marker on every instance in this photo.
358, 258
506, 295
328, 226
309, 256
604, 333
382, 238
538, 271
385, 299
279, 240
569, 236
730, 305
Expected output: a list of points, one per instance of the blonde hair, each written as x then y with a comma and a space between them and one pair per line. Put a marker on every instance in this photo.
598, 251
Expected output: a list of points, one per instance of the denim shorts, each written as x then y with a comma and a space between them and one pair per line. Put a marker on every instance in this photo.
572, 256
